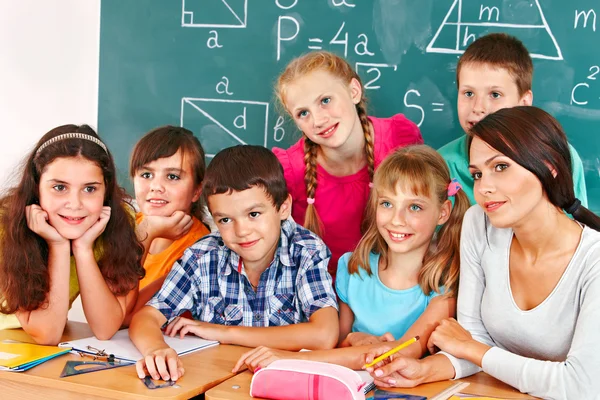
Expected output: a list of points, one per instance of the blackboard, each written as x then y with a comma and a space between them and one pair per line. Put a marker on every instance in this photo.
210, 65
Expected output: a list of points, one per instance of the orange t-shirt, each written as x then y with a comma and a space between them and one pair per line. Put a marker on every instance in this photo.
159, 265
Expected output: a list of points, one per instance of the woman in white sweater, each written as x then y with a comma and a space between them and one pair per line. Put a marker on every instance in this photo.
529, 292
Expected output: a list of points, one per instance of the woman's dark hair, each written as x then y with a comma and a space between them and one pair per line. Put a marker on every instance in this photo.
24, 278
536, 141
165, 141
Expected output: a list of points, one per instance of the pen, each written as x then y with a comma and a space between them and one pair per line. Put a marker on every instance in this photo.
392, 351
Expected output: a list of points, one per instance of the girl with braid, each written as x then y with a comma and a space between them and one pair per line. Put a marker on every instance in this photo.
330, 169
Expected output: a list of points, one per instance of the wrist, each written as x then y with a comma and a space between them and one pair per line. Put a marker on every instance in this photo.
151, 350
436, 368
475, 352
59, 246
227, 334
82, 250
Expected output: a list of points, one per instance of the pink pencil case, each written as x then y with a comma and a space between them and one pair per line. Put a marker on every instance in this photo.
311, 380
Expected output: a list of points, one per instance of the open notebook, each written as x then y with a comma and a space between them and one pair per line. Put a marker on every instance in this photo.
121, 346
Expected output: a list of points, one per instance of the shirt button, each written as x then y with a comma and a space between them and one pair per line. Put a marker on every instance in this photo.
257, 317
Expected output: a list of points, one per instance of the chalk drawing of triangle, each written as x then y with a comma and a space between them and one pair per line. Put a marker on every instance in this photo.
450, 36
211, 120
214, 13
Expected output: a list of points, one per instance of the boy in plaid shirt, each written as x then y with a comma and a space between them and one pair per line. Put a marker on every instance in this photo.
261, 280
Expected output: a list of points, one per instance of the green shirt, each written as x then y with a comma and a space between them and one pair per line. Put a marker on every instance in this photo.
456, 156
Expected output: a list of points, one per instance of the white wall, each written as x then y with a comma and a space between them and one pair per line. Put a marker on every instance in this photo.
49, 59
49, 53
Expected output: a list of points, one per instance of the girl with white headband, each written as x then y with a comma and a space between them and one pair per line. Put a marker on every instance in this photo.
65, 230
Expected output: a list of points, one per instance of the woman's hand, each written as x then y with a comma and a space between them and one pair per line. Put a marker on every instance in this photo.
451, 337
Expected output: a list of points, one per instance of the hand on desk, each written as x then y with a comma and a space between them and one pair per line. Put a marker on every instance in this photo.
261, 357
364, 339
163, 363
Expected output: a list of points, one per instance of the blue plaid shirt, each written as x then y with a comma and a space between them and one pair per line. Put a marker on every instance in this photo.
206, 282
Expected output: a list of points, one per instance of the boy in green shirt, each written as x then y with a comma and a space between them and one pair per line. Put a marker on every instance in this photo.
494, 72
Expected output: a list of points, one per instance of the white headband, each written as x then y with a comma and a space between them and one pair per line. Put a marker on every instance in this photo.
83, 136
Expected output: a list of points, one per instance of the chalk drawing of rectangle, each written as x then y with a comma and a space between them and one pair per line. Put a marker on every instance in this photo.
199, 16
192, 101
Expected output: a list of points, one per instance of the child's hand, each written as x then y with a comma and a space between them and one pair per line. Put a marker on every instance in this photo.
172, 227
86, 241
37, 221
205, 330
260, 357
364, 339
163, 363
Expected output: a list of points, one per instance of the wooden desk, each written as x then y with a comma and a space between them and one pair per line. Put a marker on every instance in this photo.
481, 384
203, 370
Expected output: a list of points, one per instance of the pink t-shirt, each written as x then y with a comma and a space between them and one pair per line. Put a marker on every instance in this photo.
341, 200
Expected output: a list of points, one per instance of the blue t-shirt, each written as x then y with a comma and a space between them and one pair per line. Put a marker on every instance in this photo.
378, 309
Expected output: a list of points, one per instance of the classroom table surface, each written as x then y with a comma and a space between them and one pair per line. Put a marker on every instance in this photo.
203, 370
481, 384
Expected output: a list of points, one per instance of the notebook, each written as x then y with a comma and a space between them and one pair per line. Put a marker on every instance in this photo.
19, 357
123, 349
368, 379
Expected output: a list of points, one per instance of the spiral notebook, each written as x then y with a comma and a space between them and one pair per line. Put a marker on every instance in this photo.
123, 348
368, 379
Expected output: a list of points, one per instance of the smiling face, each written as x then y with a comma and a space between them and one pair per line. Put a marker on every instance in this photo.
249, 224
166, 185
407, 221
507, 192
72, 193
324, 108
483, 90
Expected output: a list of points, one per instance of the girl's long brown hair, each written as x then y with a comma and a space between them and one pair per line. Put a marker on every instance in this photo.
24, 278
420, 170
338, 67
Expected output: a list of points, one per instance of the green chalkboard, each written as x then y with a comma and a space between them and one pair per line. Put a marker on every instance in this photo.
210, 65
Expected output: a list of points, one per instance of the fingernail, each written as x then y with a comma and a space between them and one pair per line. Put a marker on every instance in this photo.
392, 381
378, 373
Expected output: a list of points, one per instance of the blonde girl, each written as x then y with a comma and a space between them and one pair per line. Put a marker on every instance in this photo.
403, 277
330, 169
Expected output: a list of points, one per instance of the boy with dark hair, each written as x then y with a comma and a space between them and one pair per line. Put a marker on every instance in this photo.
494, 72
261, 280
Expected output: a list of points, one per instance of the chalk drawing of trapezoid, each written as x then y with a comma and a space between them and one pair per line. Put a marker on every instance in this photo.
221, 123
214, 13
468, 19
